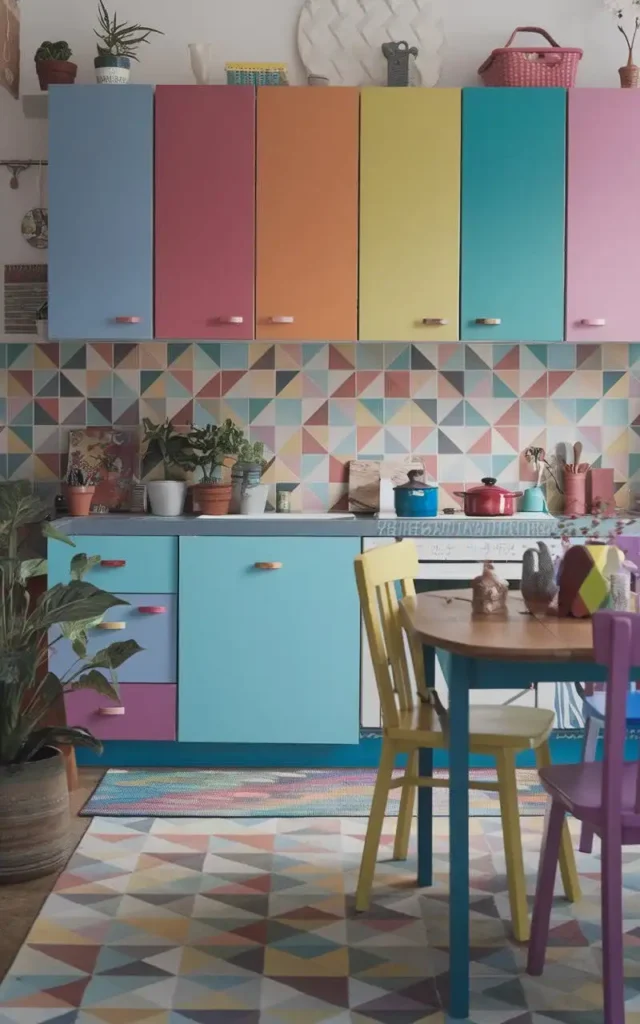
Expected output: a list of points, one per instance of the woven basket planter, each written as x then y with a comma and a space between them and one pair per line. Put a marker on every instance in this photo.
34, 818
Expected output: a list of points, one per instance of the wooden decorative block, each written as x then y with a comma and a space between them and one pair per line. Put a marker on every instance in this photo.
584, 579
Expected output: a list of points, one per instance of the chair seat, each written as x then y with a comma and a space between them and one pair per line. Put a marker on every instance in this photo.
490, 726
578, 787
595, 706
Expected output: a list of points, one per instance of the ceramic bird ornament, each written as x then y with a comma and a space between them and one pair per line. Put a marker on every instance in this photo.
538, 585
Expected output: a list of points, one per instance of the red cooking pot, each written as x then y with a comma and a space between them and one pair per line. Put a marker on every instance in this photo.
489, 499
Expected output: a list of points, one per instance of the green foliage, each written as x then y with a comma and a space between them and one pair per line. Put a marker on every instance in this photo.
119, 38
164, 443
53, 51
252, 454
209, 446
43, 311
29, 629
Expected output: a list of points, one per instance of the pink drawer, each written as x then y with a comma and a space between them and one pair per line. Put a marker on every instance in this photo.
149, 712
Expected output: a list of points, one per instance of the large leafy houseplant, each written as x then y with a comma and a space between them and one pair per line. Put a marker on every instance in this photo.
30, 628
166, 447
209, 448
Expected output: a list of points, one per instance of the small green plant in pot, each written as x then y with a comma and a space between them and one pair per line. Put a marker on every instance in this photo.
34, 801
165, 447
119, 42
42, 322
53, 66
80, 491
212, 450
249, 494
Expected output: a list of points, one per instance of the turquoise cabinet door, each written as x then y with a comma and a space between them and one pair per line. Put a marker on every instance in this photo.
101, 212
513, 214
268, 656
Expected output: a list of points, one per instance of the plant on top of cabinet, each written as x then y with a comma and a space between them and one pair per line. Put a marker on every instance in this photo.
627, 15
42, 322
249, 496
165, 445
212, 449
53, 66
34, 805
120, 43
80, 491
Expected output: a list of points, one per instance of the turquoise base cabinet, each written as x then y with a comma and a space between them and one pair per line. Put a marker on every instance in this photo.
268, 655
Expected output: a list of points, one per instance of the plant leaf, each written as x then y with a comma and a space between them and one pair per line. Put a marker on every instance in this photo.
69, 602
81, 564
96, 681
31, 567
115, 654
57, 735
49, 530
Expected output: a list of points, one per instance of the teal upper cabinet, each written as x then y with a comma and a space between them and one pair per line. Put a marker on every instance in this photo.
101, 212
513, 214
268, 655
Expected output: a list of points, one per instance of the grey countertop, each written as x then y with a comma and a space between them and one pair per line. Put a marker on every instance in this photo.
292, 525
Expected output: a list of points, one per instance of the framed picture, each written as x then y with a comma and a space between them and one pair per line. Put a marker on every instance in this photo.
10, 46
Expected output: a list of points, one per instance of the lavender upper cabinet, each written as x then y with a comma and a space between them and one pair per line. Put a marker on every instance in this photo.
101, 212
205, 201
603, 220
513, 214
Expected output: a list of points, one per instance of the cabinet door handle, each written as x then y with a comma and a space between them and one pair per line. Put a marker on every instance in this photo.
231, 319
593, 323
112, 563
128, 319
111, 625
111, 711
434, 321
488, 321
268, 565
152, 609
281, 319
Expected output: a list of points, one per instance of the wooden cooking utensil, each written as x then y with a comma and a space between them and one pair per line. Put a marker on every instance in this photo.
577, 455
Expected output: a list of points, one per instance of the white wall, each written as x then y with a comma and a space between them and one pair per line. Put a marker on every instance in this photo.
263, 30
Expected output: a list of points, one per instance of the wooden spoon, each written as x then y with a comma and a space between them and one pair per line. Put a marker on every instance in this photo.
577, 454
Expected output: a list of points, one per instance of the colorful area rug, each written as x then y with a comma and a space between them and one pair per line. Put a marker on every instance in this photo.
317, 793
252, 922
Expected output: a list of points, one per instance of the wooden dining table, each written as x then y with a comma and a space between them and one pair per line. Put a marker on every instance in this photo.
481, 652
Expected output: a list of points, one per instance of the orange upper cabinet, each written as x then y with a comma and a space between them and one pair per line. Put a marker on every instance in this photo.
307, 214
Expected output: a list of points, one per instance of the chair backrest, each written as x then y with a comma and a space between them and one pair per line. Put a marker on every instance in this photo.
616, 644
380, 575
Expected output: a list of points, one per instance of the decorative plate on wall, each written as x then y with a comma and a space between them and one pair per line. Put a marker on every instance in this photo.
342, 39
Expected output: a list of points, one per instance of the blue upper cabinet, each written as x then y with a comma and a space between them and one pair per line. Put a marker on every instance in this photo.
269, 640
101, 212
513, 214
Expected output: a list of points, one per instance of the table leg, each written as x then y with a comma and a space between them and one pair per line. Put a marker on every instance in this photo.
461, 673
425, 820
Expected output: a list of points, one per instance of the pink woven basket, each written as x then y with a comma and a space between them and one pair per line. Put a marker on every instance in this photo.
535, 66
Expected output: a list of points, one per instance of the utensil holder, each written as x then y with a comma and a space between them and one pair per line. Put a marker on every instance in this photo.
575, 493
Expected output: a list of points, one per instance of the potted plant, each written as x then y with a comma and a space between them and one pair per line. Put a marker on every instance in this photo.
53, 66
34, 801
627, 15
119, 42
80, 492
250, 494
212, 449
42, 322
166, 446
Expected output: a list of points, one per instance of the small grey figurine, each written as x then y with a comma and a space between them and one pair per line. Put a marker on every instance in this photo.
538, 585
398, 57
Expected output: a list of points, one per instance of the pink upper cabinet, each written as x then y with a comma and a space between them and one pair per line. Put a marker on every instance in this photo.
603, 218
205, 212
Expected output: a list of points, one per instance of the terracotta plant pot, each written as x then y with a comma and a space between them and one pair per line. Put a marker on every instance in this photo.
79, 500
55, 72
629, 76
213, 499
34, 818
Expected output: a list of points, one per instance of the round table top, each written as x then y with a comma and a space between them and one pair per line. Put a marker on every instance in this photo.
443, 618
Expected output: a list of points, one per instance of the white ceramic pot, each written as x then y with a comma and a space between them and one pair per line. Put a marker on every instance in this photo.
167, 497
112, 71
42, 330
254, 500
203, 62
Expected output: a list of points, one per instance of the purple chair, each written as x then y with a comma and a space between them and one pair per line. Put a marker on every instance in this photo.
604, 795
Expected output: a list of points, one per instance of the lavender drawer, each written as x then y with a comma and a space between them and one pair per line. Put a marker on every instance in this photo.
149, 712
148, 618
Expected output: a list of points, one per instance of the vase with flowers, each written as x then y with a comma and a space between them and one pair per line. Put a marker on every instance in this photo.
627, 16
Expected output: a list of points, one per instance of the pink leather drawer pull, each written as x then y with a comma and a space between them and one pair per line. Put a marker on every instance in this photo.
128, 319
113, 563
488, 321
593, 323
434, 321
152, 609
281, 319
268, 565
111, 711
111, 625
230, 319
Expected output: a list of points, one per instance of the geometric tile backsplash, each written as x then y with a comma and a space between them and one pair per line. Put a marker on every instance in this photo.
469, 410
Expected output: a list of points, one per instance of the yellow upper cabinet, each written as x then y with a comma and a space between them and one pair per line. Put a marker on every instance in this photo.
409, 214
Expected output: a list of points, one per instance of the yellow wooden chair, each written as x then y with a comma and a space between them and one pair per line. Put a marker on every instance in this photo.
499, 731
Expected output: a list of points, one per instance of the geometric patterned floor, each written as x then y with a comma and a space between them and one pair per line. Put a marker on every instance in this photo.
171, 921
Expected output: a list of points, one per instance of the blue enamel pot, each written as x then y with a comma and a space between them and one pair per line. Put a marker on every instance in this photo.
415, 499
